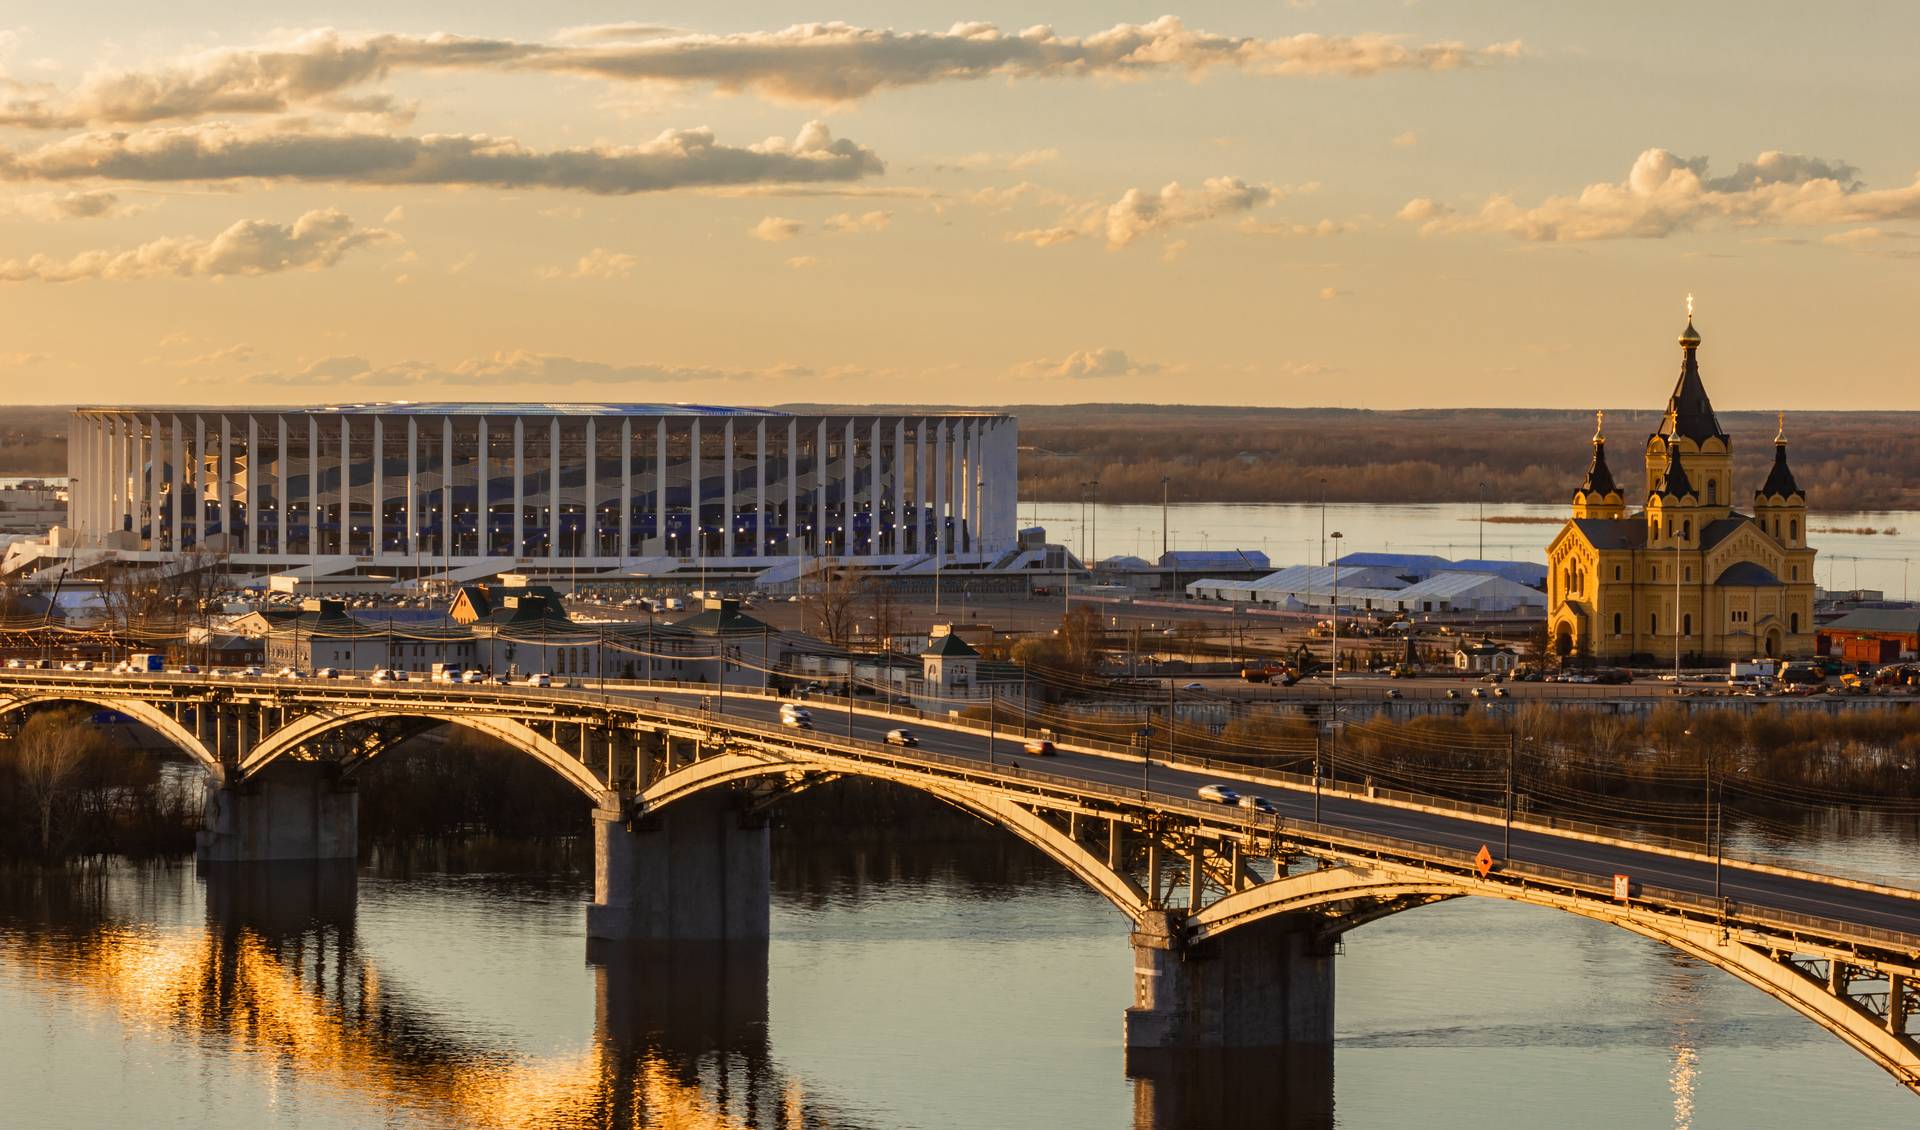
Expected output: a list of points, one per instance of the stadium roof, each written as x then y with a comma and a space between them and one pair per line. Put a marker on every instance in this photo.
488, 408
1190, 559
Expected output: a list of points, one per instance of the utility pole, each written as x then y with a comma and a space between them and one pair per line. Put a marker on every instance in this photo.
1336, 612
1676, 611
991, 702
1482, 522
1506, 837
1316, 777
1096, 522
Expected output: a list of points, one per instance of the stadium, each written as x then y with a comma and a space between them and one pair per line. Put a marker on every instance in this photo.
461, 491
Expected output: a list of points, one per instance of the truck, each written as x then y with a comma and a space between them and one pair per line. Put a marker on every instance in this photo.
447, 672
1751, 670
147, 662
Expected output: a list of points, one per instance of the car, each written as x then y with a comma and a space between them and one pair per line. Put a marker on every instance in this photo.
1478, 692
290, 673
249, 673
500, 680
1039, 747
1194, 687
327, 673
1500, 692
189, 669
1453, 692
801, 721
793, 710
16, 664
1257, 804
1391, 693
389, 675
1219, 794
902, 736
472, 675
538, 679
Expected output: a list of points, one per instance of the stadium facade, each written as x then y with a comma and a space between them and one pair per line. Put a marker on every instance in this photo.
445, 489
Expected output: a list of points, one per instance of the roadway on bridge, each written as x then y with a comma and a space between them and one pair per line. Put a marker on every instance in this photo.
1650, 866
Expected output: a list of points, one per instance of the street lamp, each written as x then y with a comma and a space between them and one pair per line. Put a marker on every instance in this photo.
1336, 610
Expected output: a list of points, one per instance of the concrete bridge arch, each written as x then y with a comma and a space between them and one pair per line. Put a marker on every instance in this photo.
139, 710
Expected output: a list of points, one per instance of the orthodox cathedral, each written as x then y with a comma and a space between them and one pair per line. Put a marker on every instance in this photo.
1687, 575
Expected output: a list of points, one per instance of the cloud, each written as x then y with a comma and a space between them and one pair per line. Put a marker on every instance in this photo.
1140, 212
509, 367
777, 229
1002, 199
1086, 364
599, 263
221, 151
1329, 293
86, 204
250, 247
1665, 194
1877, 241
239, 353
847, 223
22, 360
812, 63
1407, 140
803, 262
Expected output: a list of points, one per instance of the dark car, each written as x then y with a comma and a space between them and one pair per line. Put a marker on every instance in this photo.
1039, 747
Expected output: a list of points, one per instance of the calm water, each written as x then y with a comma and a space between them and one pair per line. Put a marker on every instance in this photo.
926, 987
1290, 534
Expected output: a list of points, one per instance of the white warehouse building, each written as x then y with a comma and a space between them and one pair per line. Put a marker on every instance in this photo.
462, 490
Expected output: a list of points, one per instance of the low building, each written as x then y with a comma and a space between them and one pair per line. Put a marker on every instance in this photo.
1872, 635
1484, 658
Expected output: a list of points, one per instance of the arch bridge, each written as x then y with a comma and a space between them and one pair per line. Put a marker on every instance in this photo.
1236, 913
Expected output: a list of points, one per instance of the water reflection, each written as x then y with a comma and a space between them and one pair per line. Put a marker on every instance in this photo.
277, 981
1255, 1088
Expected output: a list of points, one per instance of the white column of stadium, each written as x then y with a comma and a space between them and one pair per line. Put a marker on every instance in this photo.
793, 488
483, 512
626, 487
875, 468
346, 484
726, 507
693, 489
899, 465
281, 469
410, 506
820, 546
591, 547
156, 470
176, 488
660, 485
250, 526
760, 488
446, 524
942, 480
376, 539
553, 487
519, 487
313, 485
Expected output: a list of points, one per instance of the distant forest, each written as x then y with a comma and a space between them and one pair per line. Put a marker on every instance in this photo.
1844, 460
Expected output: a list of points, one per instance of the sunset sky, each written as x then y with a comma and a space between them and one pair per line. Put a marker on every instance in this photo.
1367, 204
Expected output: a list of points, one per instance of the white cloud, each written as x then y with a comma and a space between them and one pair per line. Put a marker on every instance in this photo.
249, 247
221, 152
599, 263
847, 223
1329, 293
1664, 194
803, 262
1878, 241
87, 204
1407, 140
1140, 212
1086, 363
777, 229
815, 62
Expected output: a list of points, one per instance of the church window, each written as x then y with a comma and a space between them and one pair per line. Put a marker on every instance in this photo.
1686, 529
1687, 573
1653, 623
1616, 572
1713, 491
1616, 623
1793, 623
1686, 624
1776, 529
1793, 529
1794, 573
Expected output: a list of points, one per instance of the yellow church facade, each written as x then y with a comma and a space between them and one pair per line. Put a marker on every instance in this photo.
1686, 574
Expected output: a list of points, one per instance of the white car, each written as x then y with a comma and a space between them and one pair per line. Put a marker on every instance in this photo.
1219, 794
327, 673
290, 673
249, 673
389, 675
473, 675
1194, 687
538, 679
1256, 804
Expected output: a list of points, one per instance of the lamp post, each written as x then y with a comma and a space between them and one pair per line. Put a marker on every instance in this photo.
1676, 611
1482, 521
1336, 611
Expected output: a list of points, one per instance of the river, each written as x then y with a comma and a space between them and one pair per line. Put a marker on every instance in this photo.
1289, 534
917, 986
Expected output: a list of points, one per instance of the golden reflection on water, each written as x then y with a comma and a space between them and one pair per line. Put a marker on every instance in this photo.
312, 1005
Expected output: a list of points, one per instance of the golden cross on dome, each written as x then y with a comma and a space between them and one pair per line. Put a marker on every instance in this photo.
1599, 425
1781, 435
1689, 307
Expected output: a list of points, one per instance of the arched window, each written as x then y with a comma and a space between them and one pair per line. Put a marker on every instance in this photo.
1686, 529
1793, 529
1776, 529
1686, 624
1616, 572
1616, 624
1793, 622
1653, 623
1713, 491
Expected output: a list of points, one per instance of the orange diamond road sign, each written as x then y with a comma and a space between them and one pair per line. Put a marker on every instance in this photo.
1483, 862
1622, 887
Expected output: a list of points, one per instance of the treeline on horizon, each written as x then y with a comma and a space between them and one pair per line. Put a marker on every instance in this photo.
1843, 460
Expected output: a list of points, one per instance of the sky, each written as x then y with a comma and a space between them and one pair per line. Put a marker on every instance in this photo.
1417, 203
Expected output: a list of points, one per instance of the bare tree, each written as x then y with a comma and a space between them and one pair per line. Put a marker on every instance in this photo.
889, 616
831, 608
49, 753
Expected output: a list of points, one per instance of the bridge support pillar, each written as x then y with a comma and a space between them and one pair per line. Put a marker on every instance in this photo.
1264, 985
293, 811
697, 871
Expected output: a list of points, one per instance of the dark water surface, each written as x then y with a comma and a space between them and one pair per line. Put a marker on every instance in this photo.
926, 986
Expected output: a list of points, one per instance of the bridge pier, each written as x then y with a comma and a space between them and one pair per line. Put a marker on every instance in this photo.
292, 811
1262, 985
697, 871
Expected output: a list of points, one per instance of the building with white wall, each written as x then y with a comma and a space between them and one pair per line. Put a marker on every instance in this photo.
466, 490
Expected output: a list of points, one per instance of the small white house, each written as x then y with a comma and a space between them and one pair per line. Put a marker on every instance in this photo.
1485, 657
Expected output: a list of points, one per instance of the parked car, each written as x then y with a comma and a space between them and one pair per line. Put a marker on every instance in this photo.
1039, 747
902, 736
1257, 804
1219, 794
